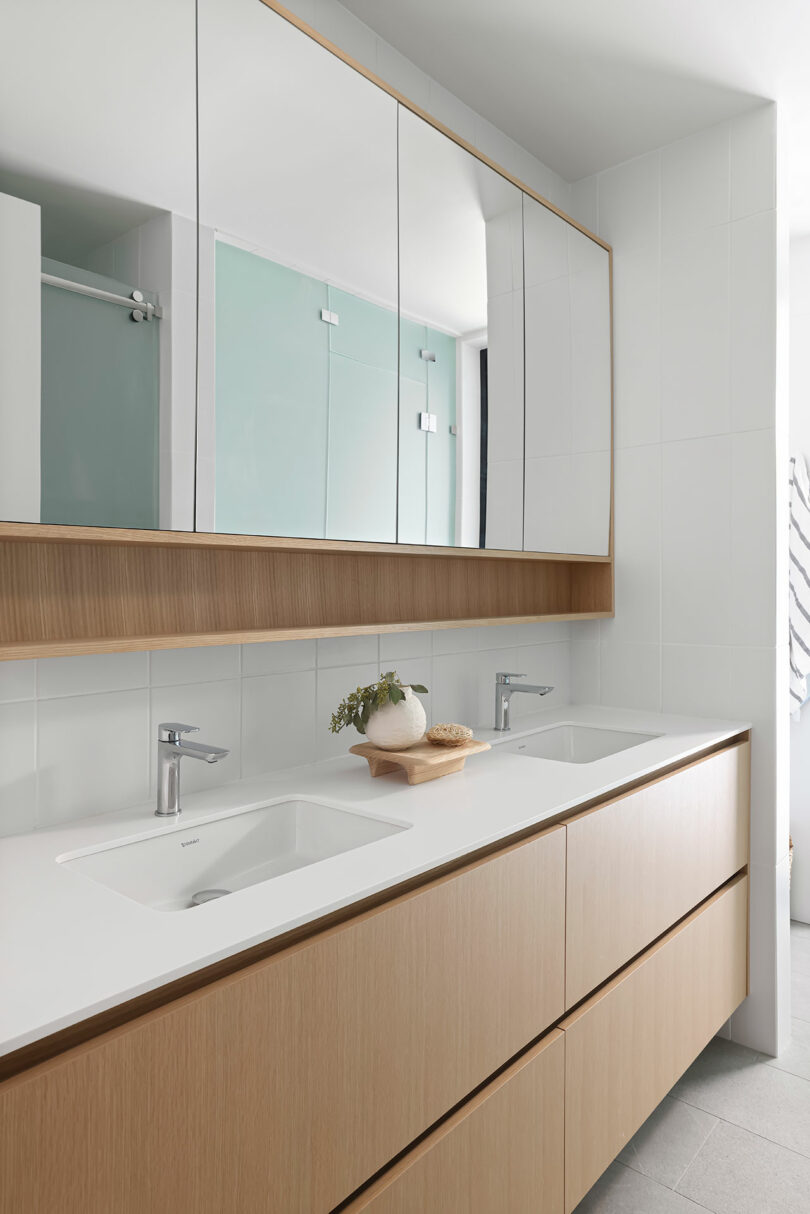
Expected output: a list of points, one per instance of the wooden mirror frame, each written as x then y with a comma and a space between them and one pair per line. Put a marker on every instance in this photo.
75, 590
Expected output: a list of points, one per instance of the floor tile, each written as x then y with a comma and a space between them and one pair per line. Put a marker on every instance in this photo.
800, 994
796, 1058
799, 950
623, 1191
736, 1172
739, 1086
668, 1141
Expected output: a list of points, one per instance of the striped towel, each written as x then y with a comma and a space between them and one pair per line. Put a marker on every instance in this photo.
799, 583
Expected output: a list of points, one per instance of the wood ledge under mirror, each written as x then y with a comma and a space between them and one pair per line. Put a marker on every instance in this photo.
77, 590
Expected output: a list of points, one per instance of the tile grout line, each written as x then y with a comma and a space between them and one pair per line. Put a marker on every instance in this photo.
712, 1128
762, 1137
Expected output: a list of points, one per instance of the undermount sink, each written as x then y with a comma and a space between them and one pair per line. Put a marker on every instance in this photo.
222, 855
577, 743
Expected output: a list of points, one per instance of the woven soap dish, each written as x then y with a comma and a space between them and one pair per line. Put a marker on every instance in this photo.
449, 734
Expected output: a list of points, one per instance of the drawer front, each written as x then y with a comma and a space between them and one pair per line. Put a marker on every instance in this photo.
284, 1087
502, 1153
640, 863
627, 1046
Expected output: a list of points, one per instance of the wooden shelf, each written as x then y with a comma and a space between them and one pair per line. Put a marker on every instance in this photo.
79, 590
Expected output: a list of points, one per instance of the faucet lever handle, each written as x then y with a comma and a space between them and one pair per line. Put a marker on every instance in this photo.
503, 676
172, 731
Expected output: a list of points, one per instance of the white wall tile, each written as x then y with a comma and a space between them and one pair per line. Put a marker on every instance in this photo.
456, 691
278, 721
216, 709
753, 162
637, 546
753, 321
696, 183
754, 572
696, 541
630, 204
695, 336
630, 675
333, 687
585, 672
547, 665
584, 202
278, 657
460, 640
636, 347
347, 651
91, 673
92, 754
398, 646
18, 768
174, 666
18, 681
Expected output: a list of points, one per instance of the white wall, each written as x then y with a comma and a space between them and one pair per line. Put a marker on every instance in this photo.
20, 361
699, 503
800, 444
77, 735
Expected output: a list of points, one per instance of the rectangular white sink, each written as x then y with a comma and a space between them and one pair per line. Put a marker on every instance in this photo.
228, 853
576, 743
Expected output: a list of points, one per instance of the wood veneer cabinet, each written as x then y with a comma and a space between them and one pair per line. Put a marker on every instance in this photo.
628, 1044
429, 1031
502, 1151
639, 863
284, 1087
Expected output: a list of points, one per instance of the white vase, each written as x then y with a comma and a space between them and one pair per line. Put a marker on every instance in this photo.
397, 726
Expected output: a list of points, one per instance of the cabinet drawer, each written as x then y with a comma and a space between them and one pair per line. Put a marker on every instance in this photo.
285, 1086
640, 863
502, 1153
627, 1046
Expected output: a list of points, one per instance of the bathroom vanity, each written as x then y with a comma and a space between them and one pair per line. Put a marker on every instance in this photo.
471, 1008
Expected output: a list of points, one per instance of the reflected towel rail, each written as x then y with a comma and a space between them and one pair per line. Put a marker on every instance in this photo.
141, 309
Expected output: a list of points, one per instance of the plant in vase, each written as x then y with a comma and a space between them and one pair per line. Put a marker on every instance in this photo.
388, 712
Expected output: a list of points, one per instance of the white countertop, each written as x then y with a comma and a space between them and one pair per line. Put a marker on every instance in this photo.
70, 948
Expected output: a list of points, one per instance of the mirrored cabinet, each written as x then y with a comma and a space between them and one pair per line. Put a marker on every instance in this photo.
98, 256
266, 312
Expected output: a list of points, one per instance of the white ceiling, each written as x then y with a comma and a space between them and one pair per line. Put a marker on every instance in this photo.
586, 84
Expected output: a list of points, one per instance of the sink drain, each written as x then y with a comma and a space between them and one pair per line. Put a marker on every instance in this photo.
207, 895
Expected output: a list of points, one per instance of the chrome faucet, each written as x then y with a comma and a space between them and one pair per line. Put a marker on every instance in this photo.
171, 749
504, 692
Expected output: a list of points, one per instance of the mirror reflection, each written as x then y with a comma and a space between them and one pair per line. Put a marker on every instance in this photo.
97, 237
298, 207
461, 346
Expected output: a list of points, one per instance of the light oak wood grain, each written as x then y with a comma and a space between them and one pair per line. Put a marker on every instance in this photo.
65, 534
284, 1087
63, 598
421, 762
501, 1153
628, 1044
640, 862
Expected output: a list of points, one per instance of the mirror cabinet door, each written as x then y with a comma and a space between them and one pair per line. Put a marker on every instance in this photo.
568, 387
461, 346
298, 213
97, 245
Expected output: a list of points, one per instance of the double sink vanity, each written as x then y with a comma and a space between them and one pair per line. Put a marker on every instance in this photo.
404, 998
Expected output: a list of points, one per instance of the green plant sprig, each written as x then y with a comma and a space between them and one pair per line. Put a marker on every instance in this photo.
360, 704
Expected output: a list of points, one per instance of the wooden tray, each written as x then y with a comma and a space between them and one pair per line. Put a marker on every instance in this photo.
421, 762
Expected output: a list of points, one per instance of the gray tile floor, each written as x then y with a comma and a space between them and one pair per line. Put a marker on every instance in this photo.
732, 1137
